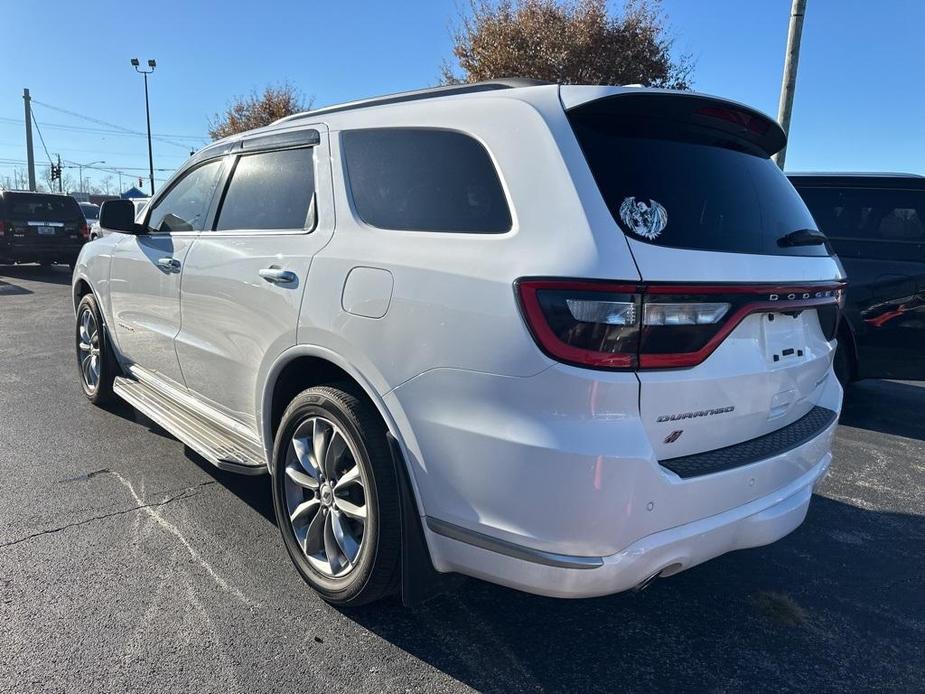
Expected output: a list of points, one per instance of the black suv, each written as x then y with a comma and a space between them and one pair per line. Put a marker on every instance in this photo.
40, 228
876, 225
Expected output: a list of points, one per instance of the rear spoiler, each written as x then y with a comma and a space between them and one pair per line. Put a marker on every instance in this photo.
703, 112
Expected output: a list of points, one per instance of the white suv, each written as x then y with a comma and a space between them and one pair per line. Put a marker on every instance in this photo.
561, 338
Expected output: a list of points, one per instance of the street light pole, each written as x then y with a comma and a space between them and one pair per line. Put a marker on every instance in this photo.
80, 171
151, 64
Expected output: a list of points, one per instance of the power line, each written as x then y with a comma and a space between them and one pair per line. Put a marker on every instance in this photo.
36, 123
110, 125
103, 131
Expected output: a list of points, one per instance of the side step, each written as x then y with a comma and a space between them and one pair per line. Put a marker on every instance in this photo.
225, 449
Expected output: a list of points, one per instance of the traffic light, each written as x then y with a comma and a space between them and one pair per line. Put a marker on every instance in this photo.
55, 173
140, 182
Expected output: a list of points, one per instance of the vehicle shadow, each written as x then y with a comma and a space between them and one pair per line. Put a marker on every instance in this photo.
837, 603
865, 407
255, 491
53, 274
7, 289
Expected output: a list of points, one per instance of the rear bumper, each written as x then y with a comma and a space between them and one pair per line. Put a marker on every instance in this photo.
665, 553
564, 495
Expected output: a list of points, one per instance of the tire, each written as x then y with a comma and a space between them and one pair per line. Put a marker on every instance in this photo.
347, 561
91, 340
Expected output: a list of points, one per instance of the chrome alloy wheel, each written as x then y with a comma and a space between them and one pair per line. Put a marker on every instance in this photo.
325, 490
88, 349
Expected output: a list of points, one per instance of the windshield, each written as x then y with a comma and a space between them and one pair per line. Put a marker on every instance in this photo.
38, 207
90, 210
671, 185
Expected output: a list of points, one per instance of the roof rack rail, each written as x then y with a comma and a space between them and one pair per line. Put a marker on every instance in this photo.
417, 94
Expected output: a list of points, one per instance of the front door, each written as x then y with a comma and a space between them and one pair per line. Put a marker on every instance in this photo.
147, 268
243, 280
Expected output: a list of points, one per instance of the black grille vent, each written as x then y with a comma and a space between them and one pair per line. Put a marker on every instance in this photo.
761, 448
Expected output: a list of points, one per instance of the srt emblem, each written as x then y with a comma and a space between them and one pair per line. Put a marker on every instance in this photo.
674, 436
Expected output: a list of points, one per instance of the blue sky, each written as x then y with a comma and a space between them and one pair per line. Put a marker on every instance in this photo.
859, 105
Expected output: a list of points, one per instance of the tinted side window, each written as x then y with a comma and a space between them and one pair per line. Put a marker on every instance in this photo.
418, 179
185, 206
868, 213
270, 190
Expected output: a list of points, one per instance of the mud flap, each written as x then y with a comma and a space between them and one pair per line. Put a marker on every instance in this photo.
419, 580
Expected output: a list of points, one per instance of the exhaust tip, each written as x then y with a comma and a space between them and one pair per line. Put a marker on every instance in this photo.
666, 571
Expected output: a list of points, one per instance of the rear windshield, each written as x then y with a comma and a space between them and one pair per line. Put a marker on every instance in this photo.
90, 210
38, 207
671, 185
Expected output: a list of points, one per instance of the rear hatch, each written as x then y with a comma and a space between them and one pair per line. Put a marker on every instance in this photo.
43, 220
737, 310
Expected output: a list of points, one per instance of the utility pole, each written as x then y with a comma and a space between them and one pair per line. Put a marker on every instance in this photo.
789, 82
30, 157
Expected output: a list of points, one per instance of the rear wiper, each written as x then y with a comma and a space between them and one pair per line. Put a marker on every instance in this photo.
803, 237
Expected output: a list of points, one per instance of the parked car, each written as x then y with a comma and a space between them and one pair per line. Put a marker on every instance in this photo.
96, 231
876, 225
562, 338
91, 212
41, 228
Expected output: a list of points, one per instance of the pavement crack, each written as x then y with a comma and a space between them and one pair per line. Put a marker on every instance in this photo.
185, 493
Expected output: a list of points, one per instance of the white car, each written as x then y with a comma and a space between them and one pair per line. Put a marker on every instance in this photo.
561, 338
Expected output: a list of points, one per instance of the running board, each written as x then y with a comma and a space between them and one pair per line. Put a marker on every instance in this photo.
225, 449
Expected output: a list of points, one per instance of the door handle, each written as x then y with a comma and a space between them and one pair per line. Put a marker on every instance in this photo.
277, 275
168, 263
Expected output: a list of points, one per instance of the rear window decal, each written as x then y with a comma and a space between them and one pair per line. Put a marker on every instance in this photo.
645, 220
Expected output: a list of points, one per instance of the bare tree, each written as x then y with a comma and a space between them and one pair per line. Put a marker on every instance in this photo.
256, 110
566, 41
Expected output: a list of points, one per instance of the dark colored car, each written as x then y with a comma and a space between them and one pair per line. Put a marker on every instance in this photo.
876, 225
40, 228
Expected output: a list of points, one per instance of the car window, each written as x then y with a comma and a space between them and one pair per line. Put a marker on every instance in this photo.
416, 179
868, 214
270, 190
186, 204
669, 184
39, 207
90, 210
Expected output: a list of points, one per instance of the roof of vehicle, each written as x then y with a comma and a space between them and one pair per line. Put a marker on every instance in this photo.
33, 192
566, 96
858, 179
418, 95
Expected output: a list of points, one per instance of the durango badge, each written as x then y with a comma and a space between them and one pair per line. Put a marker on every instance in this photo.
645, 220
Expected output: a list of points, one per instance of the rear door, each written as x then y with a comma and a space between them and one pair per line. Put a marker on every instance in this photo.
879, 234
739, 296
244, 278
146, 271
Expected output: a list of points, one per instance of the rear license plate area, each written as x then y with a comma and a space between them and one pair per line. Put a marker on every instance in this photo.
784, 337
46, 231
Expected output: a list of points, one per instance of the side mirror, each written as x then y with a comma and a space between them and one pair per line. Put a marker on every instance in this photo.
119, 215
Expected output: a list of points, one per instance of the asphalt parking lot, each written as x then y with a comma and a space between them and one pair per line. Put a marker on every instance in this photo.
127, 563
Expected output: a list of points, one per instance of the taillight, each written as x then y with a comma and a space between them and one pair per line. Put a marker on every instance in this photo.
638, 326
85, 231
